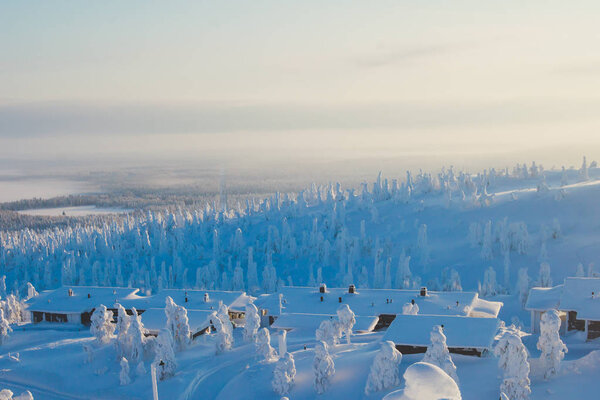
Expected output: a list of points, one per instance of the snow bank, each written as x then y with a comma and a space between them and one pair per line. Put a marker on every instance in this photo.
426, 381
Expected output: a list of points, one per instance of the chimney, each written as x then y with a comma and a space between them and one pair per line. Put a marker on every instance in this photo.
423, 291
322, 288
321, 298
186, 299
351, 289
89, 296
340, 299
70, 292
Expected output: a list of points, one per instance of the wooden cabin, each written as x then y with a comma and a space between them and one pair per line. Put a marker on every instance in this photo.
384, 304
577, 301
74, 304
464, 335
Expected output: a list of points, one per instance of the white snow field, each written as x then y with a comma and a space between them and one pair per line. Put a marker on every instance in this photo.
441, 231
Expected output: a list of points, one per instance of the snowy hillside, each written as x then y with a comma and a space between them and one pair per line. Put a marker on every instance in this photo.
497, 233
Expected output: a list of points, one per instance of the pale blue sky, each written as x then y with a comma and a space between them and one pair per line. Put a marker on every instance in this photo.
360, 76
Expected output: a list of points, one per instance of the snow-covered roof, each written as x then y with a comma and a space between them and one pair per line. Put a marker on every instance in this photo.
59, 301
365, 302
543, 299
155, 319
484, 308
577, 296
236, 301
461, 332
310, 322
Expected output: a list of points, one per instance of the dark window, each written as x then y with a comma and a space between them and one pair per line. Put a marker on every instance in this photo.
574, 323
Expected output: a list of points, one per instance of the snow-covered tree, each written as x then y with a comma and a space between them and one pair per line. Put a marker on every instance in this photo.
140, 370
507, 271
5, 328
552, 347
282, 342
284, 374
177, 323
403, 274
451, 282
486, 248
102, 327
263, 346
329, 332
543, 256
164, 358
323, 367
346, 320
238, 278
544, 277
224, 339
137, 337
124, 378
123, 322
252, 323
580, 272
489, 286
563, 177
223, 315
583, 172
523, 285
513, 361
31, 292
437, 353
423, 246
384, 370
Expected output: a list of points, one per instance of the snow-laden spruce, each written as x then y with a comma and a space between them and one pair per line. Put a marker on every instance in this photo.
384, 372
136, 337
251, 323
178, 324
223, 315
437, 353
102, 327
263, 346
513, 361
223, 337
552, 347
329, 332
489, 286
5, 328
284, 374
544, 277
523, 285
282, 342
124, 378
123, 339
346, 320
164, 358
323, 367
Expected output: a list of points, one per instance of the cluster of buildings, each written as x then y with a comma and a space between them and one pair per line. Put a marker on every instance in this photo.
75, 305
470, 323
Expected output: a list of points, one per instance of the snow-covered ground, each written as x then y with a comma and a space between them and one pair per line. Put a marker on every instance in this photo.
511, 222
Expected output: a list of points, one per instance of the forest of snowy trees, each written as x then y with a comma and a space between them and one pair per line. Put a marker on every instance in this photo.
285, 240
